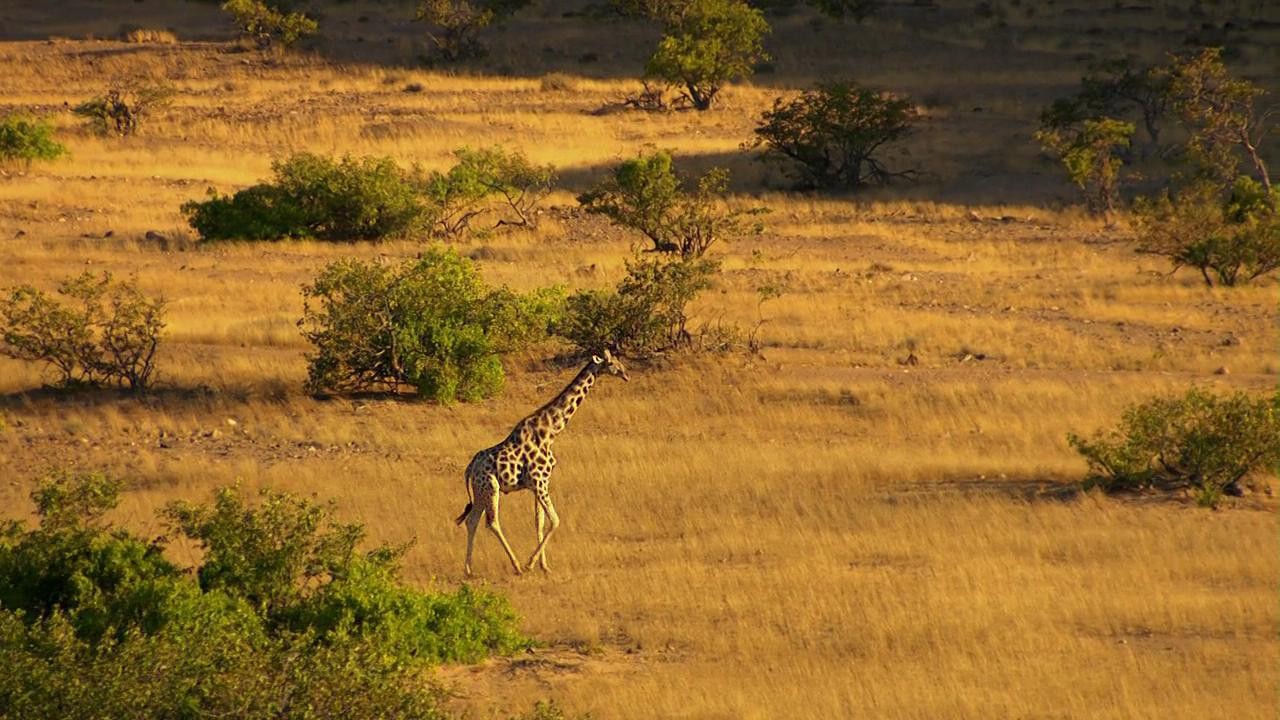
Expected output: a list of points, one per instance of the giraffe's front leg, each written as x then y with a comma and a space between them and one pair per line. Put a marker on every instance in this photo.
541, 516
553, 520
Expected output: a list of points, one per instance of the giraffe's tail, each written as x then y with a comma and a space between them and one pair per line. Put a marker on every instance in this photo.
465, 512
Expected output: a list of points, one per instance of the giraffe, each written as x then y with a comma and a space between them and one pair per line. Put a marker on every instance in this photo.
524, 462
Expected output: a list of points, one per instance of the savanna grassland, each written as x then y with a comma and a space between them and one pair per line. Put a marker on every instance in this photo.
818, 530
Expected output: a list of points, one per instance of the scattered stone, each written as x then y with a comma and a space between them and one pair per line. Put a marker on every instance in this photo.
166, 443
154, 236
231, 422
1224, 370
1230, 341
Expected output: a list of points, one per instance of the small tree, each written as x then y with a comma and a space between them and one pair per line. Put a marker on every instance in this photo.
708, 44
266, 24
646, 195
646, 315
1233, 237
1200, 441
1220, 115
831, 135
521, 184
1118, 88
1092, 154
459, 23
24, 140
432, 324
122, 108
107, 332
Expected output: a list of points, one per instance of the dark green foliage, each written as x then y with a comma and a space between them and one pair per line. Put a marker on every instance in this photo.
830, 136
1231, 237
647, 196
1092, 152
1118, 89
457, 24
122, 108
665, 10
706, 44
432, 324
24, 140
267, 24
312, 196
369, 198
105, 332
647, 314
94, 623
1198, 441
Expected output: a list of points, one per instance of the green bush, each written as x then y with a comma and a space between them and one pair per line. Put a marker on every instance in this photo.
509, 175
830, 137
107, 332
122, 108
316, 197
1231, 237
1092, 152
95, 623
647, 314
432, 324
706, 44
646, 195
458, 23
1197, 441
1118, 89
265, 23
24, 139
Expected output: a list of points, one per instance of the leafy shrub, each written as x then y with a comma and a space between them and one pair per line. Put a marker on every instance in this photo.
509, 175
1232, 237
1091, 152
25, 140
314, 196
709, 43
830, 136
857, 10
431, 324
1200, 441
107, 332
300, 570
459, 23
646, 195
122, 108
94, 623
647, 314
265, 23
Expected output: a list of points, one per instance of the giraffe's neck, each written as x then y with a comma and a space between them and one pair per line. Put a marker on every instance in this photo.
554, 416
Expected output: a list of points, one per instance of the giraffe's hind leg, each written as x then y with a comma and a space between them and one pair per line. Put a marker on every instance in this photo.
473, 522
490, 507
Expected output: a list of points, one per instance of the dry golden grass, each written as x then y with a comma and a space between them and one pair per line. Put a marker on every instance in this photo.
819, 532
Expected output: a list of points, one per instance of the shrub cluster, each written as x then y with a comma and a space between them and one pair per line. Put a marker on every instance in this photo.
431, 324
830, 136
706, 44
267, 24
121, 109
24, 140
94, 622
369, 198
456, 24
106, 332
1198, 441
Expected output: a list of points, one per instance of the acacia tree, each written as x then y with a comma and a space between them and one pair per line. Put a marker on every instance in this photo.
706, 44
1118, 88
1091, 152
1220, 114
646, 195
458, 23
830, 135
267, 24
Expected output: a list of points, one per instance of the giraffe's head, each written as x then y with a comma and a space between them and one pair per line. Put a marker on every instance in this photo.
611, 365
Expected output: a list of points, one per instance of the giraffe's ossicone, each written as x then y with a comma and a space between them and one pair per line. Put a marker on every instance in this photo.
524, 462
